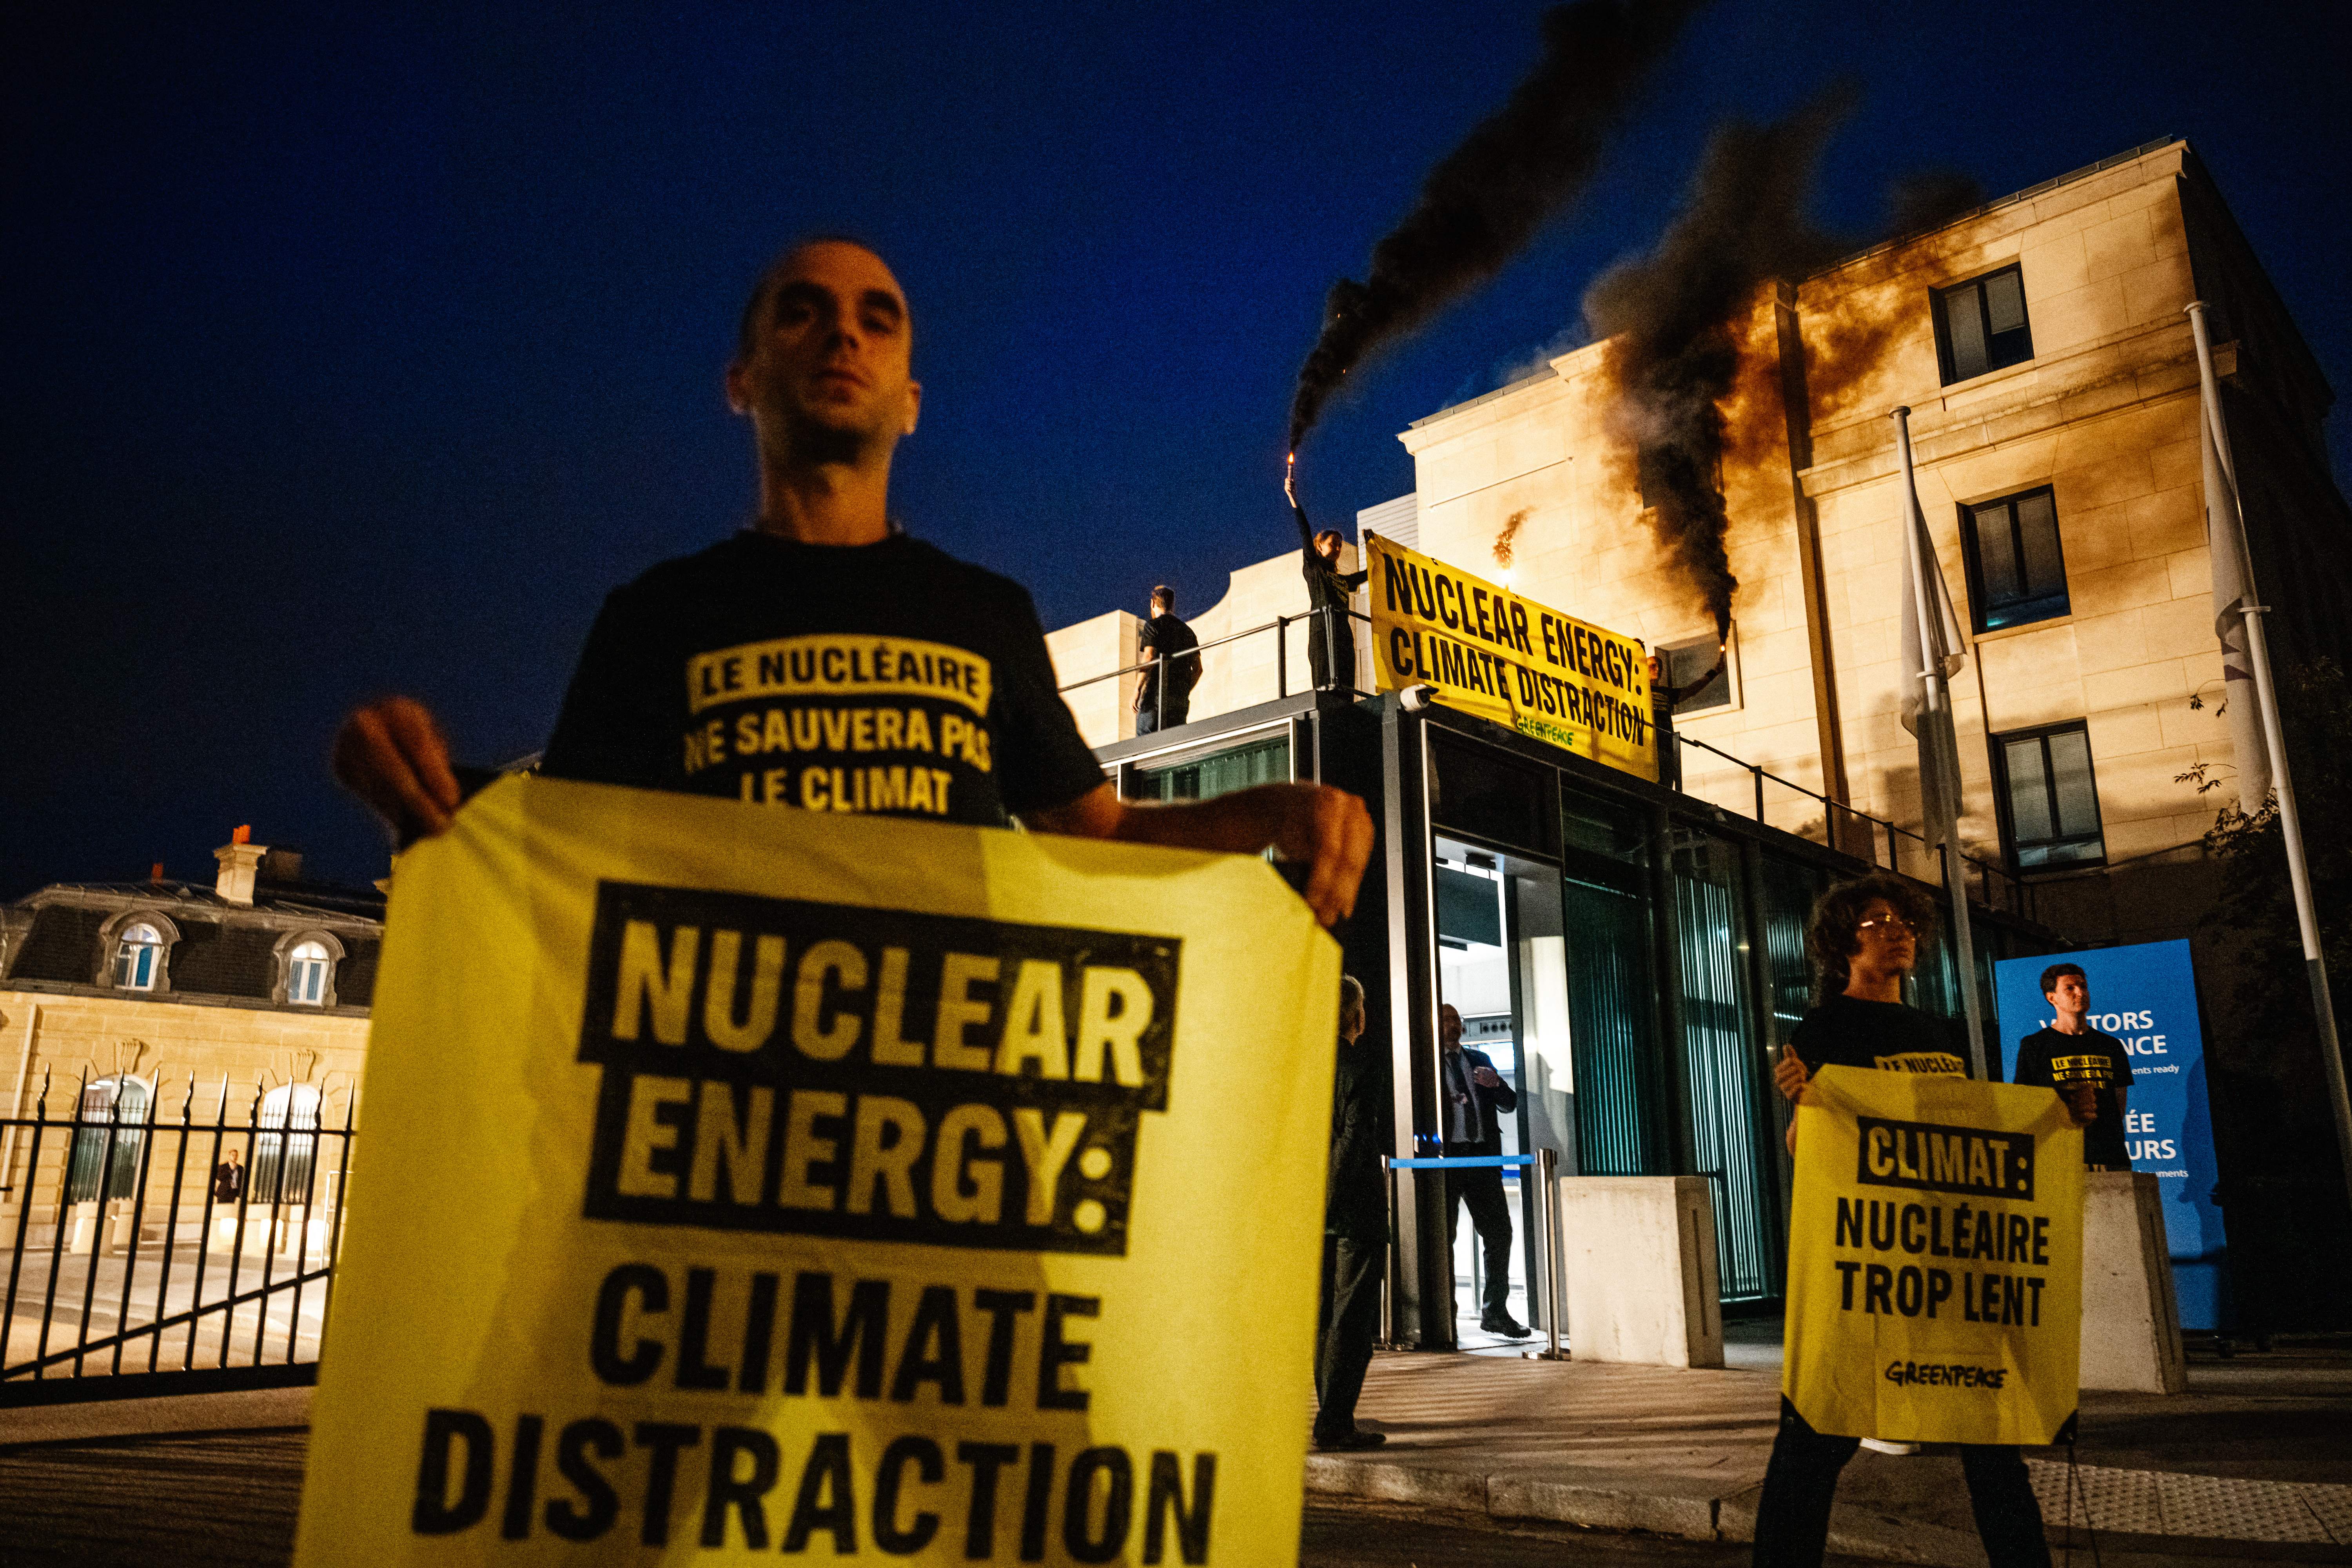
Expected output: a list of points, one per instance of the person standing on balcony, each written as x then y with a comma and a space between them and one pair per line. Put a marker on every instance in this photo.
1171, 666
1330, 632
715, 674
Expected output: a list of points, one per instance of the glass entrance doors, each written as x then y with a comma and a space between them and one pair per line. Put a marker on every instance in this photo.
1498, 961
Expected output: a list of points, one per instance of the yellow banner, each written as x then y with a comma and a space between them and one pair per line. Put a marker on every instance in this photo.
737, 1182
1487, 651
1935, 1259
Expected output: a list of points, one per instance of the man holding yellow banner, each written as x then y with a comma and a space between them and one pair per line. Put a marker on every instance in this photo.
810, 1179
1935, 1252
740, 1181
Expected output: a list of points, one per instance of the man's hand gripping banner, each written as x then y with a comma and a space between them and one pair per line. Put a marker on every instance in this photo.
740, 1182
1935, 1259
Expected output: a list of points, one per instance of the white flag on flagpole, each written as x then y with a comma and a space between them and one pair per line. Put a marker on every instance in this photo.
2231, 593
1933, 649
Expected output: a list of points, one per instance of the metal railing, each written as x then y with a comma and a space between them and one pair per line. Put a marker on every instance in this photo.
1280, 626
1874, 840
131, 1250
1868, 837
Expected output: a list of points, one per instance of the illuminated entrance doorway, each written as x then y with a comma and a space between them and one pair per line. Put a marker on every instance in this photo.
1501, 964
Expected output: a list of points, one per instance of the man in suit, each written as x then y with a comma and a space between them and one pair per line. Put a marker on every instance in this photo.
228, 1178
1470, 1092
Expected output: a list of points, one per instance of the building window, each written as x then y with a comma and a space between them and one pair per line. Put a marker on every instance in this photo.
1980, 325
108, 1139
136, 955
2016, 572
2050, 802
1701, 664
306, 974
286, 1149
1205, 777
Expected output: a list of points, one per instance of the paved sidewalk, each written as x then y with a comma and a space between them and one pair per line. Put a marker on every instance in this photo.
2253, 1461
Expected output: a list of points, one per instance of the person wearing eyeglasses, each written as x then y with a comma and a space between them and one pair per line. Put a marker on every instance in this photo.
1864, 937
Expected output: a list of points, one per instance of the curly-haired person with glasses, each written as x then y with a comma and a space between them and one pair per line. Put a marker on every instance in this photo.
1865, 936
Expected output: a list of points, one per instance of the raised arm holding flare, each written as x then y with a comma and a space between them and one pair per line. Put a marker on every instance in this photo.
822, 659
1331, 635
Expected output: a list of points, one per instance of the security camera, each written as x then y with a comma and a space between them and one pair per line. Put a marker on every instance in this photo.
1413, 699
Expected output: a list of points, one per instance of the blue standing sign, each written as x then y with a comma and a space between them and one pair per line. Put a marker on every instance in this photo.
2145, 996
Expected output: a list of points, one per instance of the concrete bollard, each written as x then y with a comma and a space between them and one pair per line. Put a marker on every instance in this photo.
1638, 1253
83, 1239
2131, 1326
257, 1232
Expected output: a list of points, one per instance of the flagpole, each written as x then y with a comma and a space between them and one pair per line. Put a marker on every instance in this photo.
2314, 959
1938, 701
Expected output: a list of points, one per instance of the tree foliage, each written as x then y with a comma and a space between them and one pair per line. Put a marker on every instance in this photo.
2270, 1001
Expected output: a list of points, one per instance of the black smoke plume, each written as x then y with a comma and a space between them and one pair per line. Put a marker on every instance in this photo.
1675, 318
1481, 205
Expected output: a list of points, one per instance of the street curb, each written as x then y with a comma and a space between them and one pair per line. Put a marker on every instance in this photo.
182, 1414
1694, 1516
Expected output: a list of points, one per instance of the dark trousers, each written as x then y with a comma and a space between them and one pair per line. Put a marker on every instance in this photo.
1148, 720
1351, 1322
1792, 1520
1481, 1187
1331, 649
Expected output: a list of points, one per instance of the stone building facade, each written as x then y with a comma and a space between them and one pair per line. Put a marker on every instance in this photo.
244, 1004
2042, 346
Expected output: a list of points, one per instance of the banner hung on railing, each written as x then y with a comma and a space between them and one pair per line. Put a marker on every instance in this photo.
747, 1180
1488, 651
1935, 1259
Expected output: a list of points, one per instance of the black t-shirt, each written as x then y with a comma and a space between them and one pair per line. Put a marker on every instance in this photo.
2044, 1054
887, 678
1169, 638
1846, 1031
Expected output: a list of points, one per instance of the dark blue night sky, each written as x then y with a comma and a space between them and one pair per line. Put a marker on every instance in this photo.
343, 353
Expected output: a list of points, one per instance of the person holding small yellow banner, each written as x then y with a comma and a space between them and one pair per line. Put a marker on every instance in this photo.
1935, 1244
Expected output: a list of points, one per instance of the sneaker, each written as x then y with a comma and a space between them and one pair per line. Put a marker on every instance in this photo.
1882, 1446
1505, 1325
1349, 1442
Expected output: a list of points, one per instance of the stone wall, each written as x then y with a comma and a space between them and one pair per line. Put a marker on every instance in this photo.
69, 1039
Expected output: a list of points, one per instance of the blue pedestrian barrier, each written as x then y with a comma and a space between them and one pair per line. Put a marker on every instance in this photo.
1548, 1224
1459, 1162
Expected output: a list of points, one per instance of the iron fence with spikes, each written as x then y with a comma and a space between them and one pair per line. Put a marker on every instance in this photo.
145, 1245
